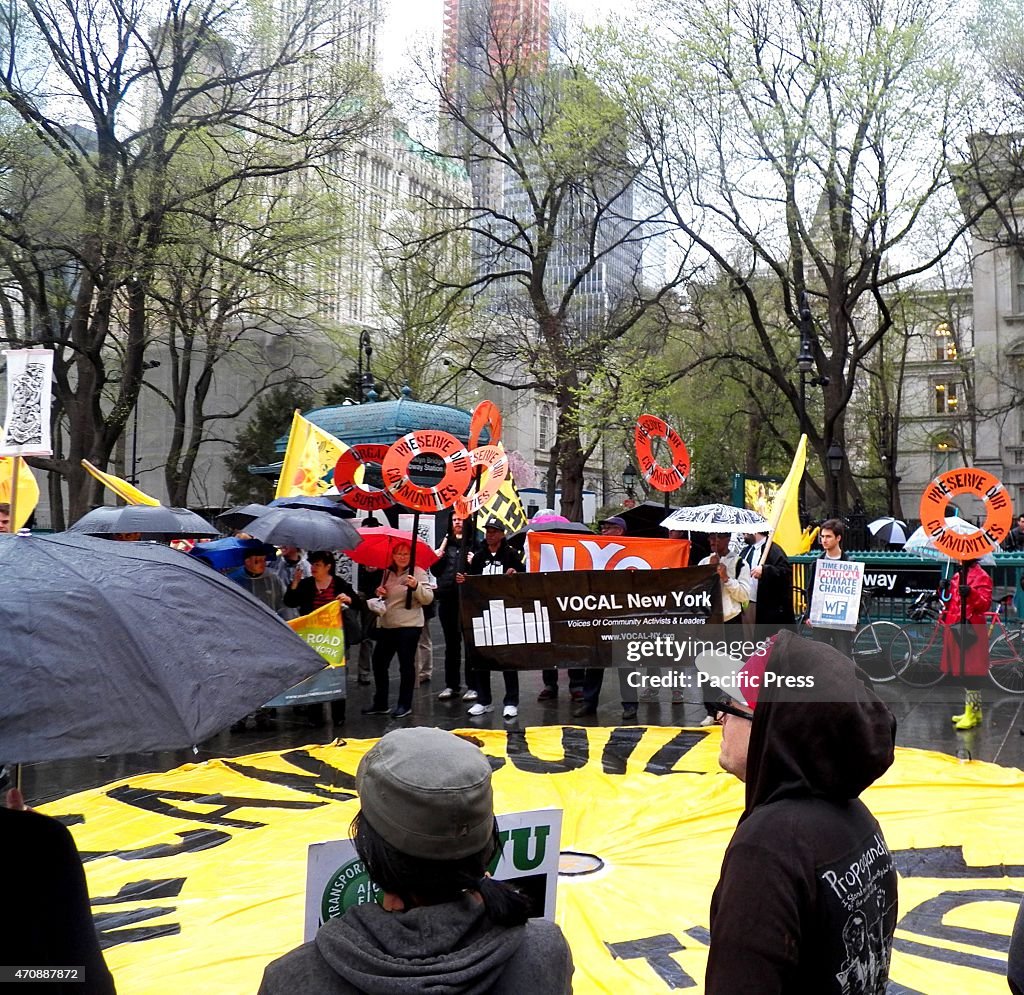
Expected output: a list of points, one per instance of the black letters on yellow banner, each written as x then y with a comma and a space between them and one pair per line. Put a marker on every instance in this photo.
199, 874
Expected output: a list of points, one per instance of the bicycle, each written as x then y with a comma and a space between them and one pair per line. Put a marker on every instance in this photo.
915, 656
1006, 664
872, 644
920, 665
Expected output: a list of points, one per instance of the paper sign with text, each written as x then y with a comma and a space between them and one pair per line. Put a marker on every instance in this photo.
336, 878
835, 601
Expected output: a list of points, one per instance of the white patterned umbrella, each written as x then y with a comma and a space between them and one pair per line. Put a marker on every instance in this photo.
716, 518
889, 531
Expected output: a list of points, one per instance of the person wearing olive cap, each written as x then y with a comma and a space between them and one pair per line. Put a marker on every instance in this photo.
426, 833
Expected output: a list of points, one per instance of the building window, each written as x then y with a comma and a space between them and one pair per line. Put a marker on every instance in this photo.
1018, 282
945, 344
946, 398
545, 426
945, 456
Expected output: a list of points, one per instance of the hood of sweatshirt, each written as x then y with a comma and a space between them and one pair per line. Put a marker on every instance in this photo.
440, 949
828, 739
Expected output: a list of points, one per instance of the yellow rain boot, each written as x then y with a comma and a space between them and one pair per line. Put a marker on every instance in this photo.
972, 713
963, 715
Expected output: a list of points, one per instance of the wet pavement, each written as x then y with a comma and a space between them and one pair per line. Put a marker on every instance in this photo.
923, 722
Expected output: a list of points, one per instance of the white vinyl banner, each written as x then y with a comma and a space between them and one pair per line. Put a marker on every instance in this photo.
29, 389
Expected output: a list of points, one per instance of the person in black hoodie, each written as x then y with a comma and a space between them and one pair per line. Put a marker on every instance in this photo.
806, 900
426, 833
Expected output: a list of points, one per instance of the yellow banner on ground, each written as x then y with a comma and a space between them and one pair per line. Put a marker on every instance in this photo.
121, 487
309, 460
322, 630
28, 489
198, 875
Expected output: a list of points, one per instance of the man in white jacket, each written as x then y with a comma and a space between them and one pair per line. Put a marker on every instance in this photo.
734, 575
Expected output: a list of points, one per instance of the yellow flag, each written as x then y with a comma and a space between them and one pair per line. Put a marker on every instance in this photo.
785, 516
506, 506
309, 460
28, 489
119, 486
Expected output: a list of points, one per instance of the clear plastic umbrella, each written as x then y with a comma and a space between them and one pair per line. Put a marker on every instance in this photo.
922, 544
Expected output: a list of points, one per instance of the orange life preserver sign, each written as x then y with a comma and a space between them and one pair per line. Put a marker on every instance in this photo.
485, 415
457, 470
661, 478
494, 461
361, 496
966, 480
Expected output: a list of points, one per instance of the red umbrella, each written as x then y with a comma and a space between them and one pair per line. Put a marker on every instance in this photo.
377, 550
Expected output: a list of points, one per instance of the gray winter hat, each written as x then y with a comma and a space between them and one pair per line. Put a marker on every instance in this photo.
427, 793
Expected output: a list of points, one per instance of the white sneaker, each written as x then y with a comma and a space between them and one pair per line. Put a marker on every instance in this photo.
510, 711
709, 720
447, 694
479, 709
469, 696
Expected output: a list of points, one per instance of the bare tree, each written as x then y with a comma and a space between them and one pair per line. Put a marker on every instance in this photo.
559, 231
805, 145
129, 123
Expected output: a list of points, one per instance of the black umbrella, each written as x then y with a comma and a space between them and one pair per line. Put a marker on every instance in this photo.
116, 647
238, 518
331, 506
304, 528
153, 521
645, 519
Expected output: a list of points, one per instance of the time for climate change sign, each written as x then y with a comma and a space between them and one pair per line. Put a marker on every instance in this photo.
835, 601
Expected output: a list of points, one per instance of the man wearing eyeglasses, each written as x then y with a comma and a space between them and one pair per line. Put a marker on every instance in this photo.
806, 900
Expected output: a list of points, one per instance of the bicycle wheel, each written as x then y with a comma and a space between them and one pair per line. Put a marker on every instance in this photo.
871, 645
1006, 665
916, 659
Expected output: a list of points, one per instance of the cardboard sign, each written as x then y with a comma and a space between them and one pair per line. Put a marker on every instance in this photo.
835, 601
547, 551
336, 879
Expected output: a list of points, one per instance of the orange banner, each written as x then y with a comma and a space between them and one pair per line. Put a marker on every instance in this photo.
572, 551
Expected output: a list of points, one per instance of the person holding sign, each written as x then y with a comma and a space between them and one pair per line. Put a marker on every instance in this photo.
495, 556
734, 575
831, 538
398, 631
426, 834
964, 647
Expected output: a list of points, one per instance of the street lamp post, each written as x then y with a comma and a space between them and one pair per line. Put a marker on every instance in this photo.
835, 457
365, 376
805, 365
629, 476
151, 364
